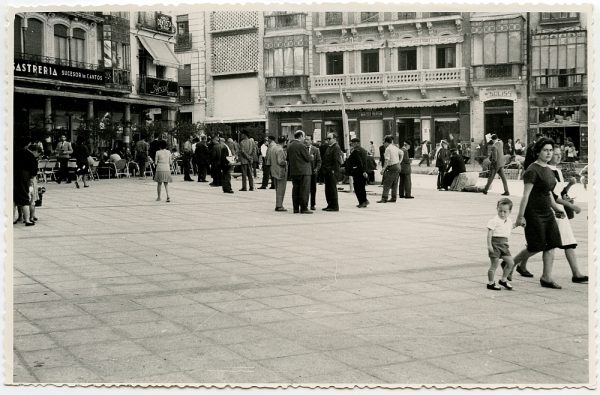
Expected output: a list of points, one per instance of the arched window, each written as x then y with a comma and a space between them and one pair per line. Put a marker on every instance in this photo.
61, 48
78, 46
18, 36
32, 37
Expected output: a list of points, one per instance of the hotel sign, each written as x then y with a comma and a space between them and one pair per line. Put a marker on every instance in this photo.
33, 69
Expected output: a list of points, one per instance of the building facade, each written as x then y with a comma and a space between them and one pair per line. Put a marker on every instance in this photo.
71, 68
222, 57
558, 77
403, 74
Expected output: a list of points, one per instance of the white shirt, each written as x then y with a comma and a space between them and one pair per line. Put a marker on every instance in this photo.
263, 150
500, 227
424, 149
392, 155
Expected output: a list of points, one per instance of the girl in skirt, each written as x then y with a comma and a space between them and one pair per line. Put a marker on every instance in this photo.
162, 160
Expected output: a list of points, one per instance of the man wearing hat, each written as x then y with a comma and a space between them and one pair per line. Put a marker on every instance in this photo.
405, 181
442, 158
498, 161
356, 166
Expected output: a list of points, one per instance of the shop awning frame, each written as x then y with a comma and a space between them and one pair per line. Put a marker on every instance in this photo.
161, 52
368, 105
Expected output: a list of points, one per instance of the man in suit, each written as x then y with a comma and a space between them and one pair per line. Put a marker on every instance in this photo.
497, 165
391, 169
331, 169
442, 158
187, 159
278, 160
322, 150
315, 163
201, 157
215, 162
64, 149
246, 155
225, 156
356, 166
266, 168
300, 171
405, 181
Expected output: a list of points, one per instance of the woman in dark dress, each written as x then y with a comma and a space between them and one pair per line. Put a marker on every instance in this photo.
537, 212
81, 153
24, 168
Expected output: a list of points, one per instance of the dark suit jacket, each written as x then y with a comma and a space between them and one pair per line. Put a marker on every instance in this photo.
442, 158
201, 154
405, 163
457, 164
299, 159
331, 160
356, 164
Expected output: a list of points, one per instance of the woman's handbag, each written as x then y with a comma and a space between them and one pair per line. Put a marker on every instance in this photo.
567, 237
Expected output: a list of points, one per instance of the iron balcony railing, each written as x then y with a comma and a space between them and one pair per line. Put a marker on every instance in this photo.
56, 61
118, 79
494, 71
411, 79
186, 95
558, 82
285, 21
288, 83
183, 42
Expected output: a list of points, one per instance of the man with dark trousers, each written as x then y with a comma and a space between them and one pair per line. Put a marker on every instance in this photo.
300, 172
215, 162
315, 163
266, 169
225, 154
405, 182
201, 158
246, 156
186, 163
331, 169
497, 165
322, 150
356, 166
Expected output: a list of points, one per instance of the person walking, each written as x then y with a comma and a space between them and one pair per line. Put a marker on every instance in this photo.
442, 158
315, 164
201, 157
81, 154
405, 181
300, 170
278, 165
498, 161
390, 170
537, 211
64, 149
357, 166
141, 155
162, 160
331, 169
246, 155
424, 153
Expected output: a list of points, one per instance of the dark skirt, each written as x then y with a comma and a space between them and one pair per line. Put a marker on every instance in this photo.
541, 233
21, 189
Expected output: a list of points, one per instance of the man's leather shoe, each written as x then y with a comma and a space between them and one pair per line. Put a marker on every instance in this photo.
484, 192
582, 279
296, 211
409, 197
392, 201
506, 194
227, 191
251, 189
280, 209
306, 212
262, 187
331, 209
272, 188
243, 190
382, 201
313, 208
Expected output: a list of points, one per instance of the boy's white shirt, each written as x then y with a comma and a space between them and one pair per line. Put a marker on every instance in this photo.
499, 225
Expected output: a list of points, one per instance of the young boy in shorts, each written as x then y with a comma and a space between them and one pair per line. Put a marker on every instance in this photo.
499, 229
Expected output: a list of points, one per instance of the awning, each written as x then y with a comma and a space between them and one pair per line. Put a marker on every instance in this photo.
368, 105
160, 51
236, 120
563, 124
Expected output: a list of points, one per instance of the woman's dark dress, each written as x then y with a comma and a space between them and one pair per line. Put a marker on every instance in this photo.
24, 168
541, 230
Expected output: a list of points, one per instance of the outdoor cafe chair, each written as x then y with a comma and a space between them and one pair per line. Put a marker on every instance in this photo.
41, 175
121, 168
50, 169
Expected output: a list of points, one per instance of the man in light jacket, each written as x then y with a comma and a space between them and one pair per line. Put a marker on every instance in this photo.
64, 151
278, 160
497, 165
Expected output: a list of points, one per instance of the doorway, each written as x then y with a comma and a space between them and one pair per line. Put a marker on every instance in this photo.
499, 119
409, 130
371, 130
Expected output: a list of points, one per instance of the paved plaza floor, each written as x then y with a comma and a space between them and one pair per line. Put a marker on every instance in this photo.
111, 286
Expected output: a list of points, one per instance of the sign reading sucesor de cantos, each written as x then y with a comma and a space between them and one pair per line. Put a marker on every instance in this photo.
26, 68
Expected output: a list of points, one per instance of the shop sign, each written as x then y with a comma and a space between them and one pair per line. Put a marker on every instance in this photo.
486, 94
28, 68
158, 87
164, 23
371, 114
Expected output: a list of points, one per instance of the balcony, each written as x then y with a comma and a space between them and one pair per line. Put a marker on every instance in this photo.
497, 71
558, 83
117, 79
55, 61
186, 95
157, 86
120, 28
413, 79
287, 84
183, 42
550, 18
285, 21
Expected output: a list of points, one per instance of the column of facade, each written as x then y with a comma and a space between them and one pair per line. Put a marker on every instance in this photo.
127, 125
48, 124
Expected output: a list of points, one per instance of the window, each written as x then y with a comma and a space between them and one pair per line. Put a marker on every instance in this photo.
183, 27
559, 16
407, 15
555, 54
335, 63
369, 17
161, 71
32, 37
497, 42
279, 62
61, 50
184, 77
78, 46
333, 18
407, 59
370, 61
446, 57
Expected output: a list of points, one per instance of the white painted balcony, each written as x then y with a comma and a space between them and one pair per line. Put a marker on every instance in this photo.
411, 79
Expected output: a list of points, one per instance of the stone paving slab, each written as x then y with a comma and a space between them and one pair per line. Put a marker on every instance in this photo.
215, 288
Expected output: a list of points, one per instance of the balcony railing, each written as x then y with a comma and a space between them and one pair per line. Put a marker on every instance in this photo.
186, 96
119, 79
157, 86
413, 79
560, 82
493, 71
183, 42
57, 61
290, 83
285, 21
